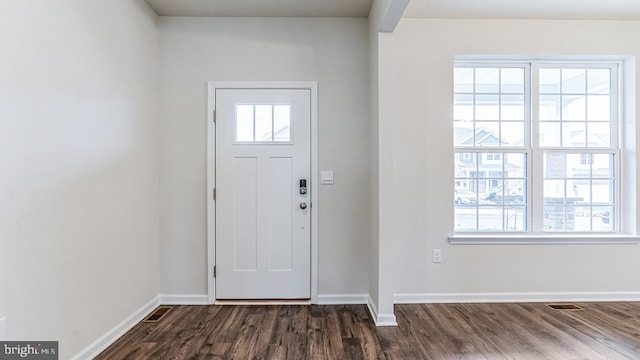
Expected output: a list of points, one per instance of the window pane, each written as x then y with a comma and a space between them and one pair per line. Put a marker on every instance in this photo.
598, 107
574, 81
487, 107
554, 218
573, 134
264, 124
549, 81
578, 165
490, 218
580, 216
554, 192
599, 134
487, 80
602, 166
512, 134
603, 218
515, 218
465, 164
466, 218
463, 80
244, 122
512, 107
463, 107
515, 192
282, 123
573, 108
487, 133
549, 134
463, 133
512, 80
602, 191
515, 165
495, 197
555, 165
549, 107
598, 81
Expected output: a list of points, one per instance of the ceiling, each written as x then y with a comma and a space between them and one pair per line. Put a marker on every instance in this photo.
457, 9
525, 9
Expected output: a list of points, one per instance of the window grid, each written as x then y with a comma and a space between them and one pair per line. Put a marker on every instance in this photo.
485, 202
602, 216
581, 208
262, 123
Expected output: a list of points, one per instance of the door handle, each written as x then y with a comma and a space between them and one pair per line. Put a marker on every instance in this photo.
303, 205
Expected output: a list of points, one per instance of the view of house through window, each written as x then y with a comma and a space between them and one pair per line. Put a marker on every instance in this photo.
548, 166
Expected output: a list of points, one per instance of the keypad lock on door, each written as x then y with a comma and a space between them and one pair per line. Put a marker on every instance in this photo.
303, 186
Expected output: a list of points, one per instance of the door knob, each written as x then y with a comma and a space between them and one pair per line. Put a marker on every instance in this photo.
303, 205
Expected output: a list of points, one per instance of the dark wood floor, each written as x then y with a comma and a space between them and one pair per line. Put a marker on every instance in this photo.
435, 331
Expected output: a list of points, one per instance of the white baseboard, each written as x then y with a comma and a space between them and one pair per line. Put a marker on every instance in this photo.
98, 346
514, 297
340, 299
181, 299
380, 319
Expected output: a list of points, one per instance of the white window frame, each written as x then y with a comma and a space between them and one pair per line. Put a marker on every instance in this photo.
535, 210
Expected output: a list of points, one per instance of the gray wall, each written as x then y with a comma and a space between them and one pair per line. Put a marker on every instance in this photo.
423, 52
333, 52
79, 184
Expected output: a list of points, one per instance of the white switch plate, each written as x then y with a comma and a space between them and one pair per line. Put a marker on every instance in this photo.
326, 177
3, 329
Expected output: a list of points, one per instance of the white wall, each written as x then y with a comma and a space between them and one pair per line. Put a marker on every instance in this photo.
79, 166
421, 83
333, 52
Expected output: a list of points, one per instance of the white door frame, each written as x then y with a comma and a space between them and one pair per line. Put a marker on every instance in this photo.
211, 172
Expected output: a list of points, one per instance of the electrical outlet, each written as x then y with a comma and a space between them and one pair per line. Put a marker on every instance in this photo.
3, 329
437, 255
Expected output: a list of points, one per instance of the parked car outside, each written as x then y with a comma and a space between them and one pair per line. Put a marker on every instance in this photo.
464, 196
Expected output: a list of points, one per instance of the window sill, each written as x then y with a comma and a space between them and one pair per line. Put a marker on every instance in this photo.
543, 239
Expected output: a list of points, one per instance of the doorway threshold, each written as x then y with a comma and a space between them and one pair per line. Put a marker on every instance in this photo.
263, 302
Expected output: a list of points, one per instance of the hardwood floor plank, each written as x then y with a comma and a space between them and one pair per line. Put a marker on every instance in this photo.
426, 331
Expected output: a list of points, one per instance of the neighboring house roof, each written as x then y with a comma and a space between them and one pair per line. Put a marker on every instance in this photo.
483, 136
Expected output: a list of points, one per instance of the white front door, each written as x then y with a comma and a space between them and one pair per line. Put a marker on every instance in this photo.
263, 238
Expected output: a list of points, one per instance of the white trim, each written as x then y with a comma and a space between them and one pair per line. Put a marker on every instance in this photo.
211, 157
507, 297
339, 299
392, 15
529, 239
182, 299
211, 183
98, 346
380, 319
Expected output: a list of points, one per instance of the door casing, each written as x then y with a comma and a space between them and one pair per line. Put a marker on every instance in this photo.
211, 172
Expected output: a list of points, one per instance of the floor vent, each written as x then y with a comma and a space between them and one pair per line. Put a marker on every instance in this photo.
564, 307
157, 314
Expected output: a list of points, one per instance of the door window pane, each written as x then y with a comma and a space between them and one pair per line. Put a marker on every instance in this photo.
282, 123
244, 123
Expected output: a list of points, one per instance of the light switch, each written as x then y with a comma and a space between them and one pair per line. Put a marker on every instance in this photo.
326, 177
